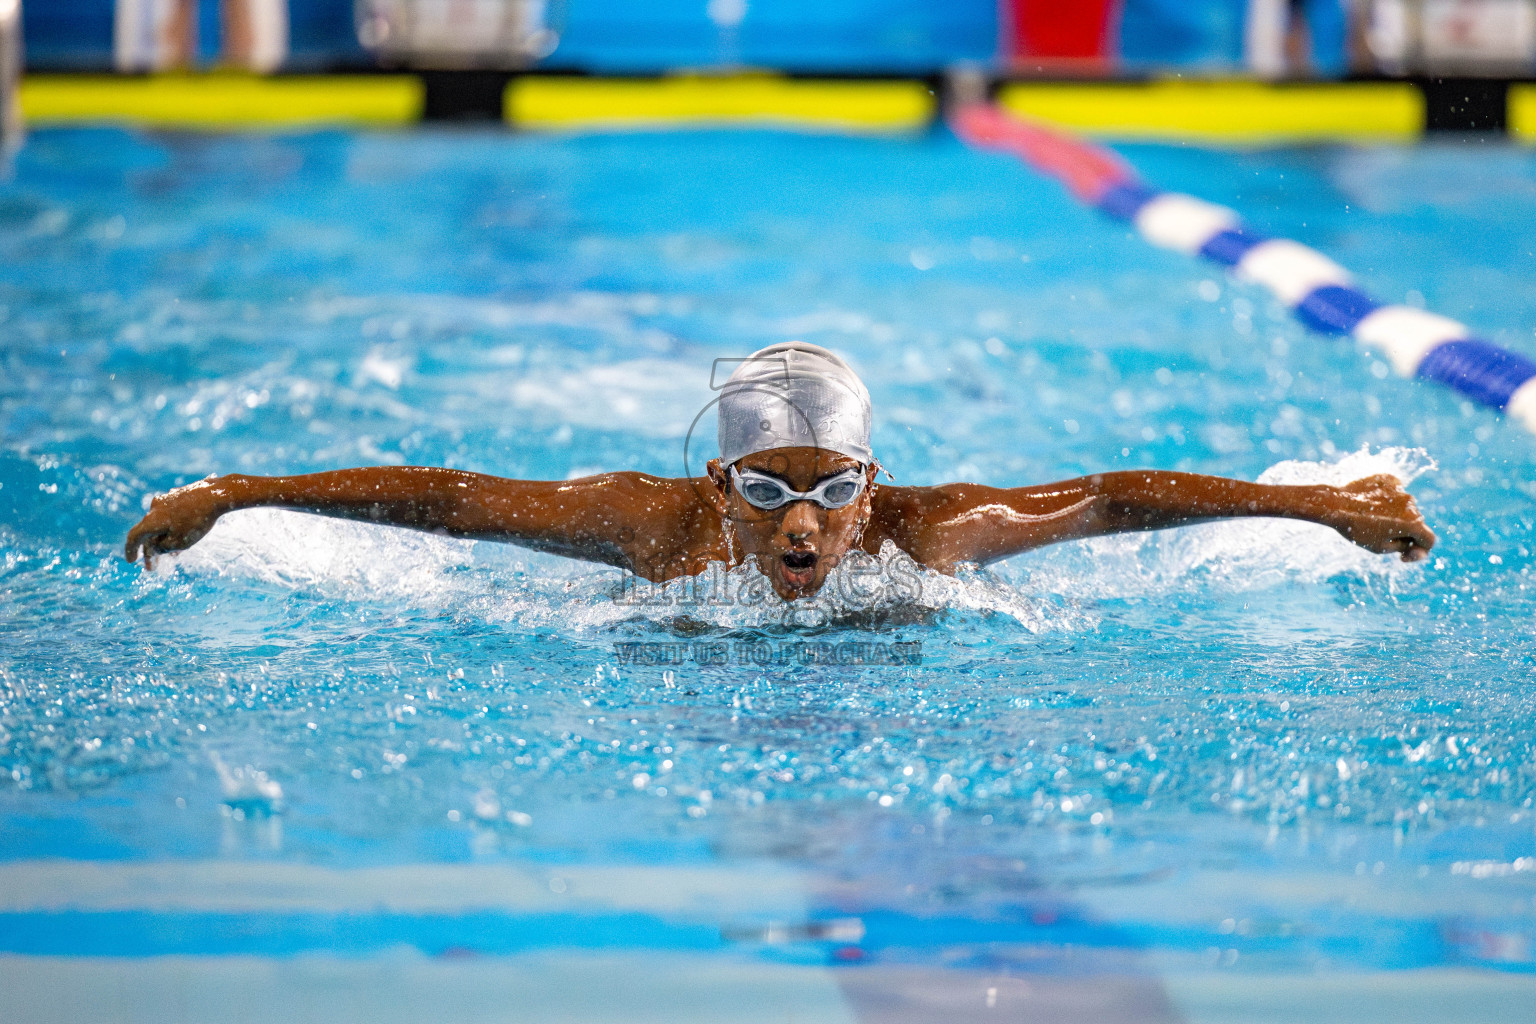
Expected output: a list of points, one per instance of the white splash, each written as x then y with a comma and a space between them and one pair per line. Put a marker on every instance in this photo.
248, 790
302, 551
862, 590
650, 397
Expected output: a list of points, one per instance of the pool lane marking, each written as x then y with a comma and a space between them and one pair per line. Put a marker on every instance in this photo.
403, 987
1228, 112
1522, 113
1320, 293
1233, 113
222, 101
713, 891
230, 100
581, 104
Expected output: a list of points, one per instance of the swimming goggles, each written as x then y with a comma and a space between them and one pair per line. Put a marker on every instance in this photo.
769, 492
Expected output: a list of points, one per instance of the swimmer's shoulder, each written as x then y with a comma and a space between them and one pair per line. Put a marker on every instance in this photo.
900, 514
907, 502
674, 506
666, 510
633, 486
917, 519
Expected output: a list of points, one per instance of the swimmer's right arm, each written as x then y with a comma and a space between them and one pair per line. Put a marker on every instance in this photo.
611, 518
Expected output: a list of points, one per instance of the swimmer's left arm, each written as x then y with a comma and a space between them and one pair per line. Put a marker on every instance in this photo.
970, 523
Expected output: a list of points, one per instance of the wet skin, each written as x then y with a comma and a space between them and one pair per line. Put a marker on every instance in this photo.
663, 528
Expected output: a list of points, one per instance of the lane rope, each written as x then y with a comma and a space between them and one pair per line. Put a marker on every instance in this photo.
1322, 294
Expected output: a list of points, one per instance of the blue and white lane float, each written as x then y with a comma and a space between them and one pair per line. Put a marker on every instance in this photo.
1321, 293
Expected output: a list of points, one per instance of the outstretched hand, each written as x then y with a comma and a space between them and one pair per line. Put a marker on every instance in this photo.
176, 521
1379, 515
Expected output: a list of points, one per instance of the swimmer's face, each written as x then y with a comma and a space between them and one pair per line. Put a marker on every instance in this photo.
797, 544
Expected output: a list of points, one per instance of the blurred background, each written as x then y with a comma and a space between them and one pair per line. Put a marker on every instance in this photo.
1096, 38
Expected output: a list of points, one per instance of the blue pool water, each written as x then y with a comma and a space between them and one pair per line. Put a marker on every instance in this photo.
1216, 756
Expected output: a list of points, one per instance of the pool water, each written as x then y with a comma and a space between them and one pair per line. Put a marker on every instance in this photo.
320, 770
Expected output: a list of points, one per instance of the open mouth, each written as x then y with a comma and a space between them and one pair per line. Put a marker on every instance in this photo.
799, 567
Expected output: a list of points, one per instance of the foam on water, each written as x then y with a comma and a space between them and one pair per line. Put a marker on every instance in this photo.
248, 790
488, 582
650, 397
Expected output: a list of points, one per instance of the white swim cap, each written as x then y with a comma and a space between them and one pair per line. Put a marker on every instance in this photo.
794, 395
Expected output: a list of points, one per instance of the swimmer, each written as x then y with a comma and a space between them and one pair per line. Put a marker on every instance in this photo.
794, 489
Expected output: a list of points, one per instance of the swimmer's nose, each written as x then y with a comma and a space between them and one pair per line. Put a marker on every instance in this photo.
800, 522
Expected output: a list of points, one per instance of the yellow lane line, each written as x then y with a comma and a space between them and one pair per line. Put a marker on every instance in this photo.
1226, 112
222, 100
574, 104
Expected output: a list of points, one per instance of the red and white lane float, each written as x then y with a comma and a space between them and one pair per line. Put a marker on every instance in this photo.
1322, 294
